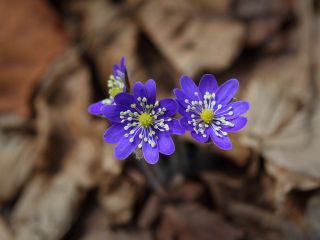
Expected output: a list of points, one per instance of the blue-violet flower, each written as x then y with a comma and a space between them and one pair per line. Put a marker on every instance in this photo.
116, 84
208, 110
139, 121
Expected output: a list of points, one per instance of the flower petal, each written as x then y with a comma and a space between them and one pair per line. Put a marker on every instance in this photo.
181, 96
116, 70
139, 90
124, 99
226, 91
208, 83
238, 108
150, 87
124, 148
95, 108
188, 86
114, 133
239, 123
199, 137
221, 142
184, 113
170, 105
165, 143
112, 112
184, 123
175, 127
123, 64
150, 154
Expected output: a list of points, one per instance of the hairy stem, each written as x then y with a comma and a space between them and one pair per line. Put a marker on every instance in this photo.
152, 180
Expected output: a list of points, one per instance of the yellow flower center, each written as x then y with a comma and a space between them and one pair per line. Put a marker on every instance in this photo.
207, 115
115, 91
145, 120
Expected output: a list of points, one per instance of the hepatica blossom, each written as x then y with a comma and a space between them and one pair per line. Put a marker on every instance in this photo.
208, 110
140, 122
116, 84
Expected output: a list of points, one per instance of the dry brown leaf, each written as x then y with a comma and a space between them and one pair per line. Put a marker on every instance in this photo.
124, 41
48, 205
119, 235
239, 154
111, 168
118, 201
149, 212
98, 19
19, 153
116, 195
61, 106
191, 221
313, 218
214, 7
258, 8
31, 38
285, 113
281, 125
262, 30
222, 187
47, 208
263, 225
5, 233
97, 228
191, 44
108, 34
187, 191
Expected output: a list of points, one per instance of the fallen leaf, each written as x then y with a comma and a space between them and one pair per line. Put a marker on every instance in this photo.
5, 233
191, 44
118, 201
191, 221
313, 218
19, 152
30, 39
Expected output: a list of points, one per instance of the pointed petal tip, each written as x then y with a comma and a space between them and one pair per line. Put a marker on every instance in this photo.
95, 108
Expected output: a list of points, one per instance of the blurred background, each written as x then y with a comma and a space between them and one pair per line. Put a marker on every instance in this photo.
59, 180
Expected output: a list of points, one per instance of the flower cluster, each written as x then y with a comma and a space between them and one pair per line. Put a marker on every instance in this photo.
141, 123
116, 84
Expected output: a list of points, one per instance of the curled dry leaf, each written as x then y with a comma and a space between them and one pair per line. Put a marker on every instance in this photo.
282, 125
191, 44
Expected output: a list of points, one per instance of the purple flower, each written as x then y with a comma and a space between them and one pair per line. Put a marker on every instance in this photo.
116, 84
138, 121
207, 110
